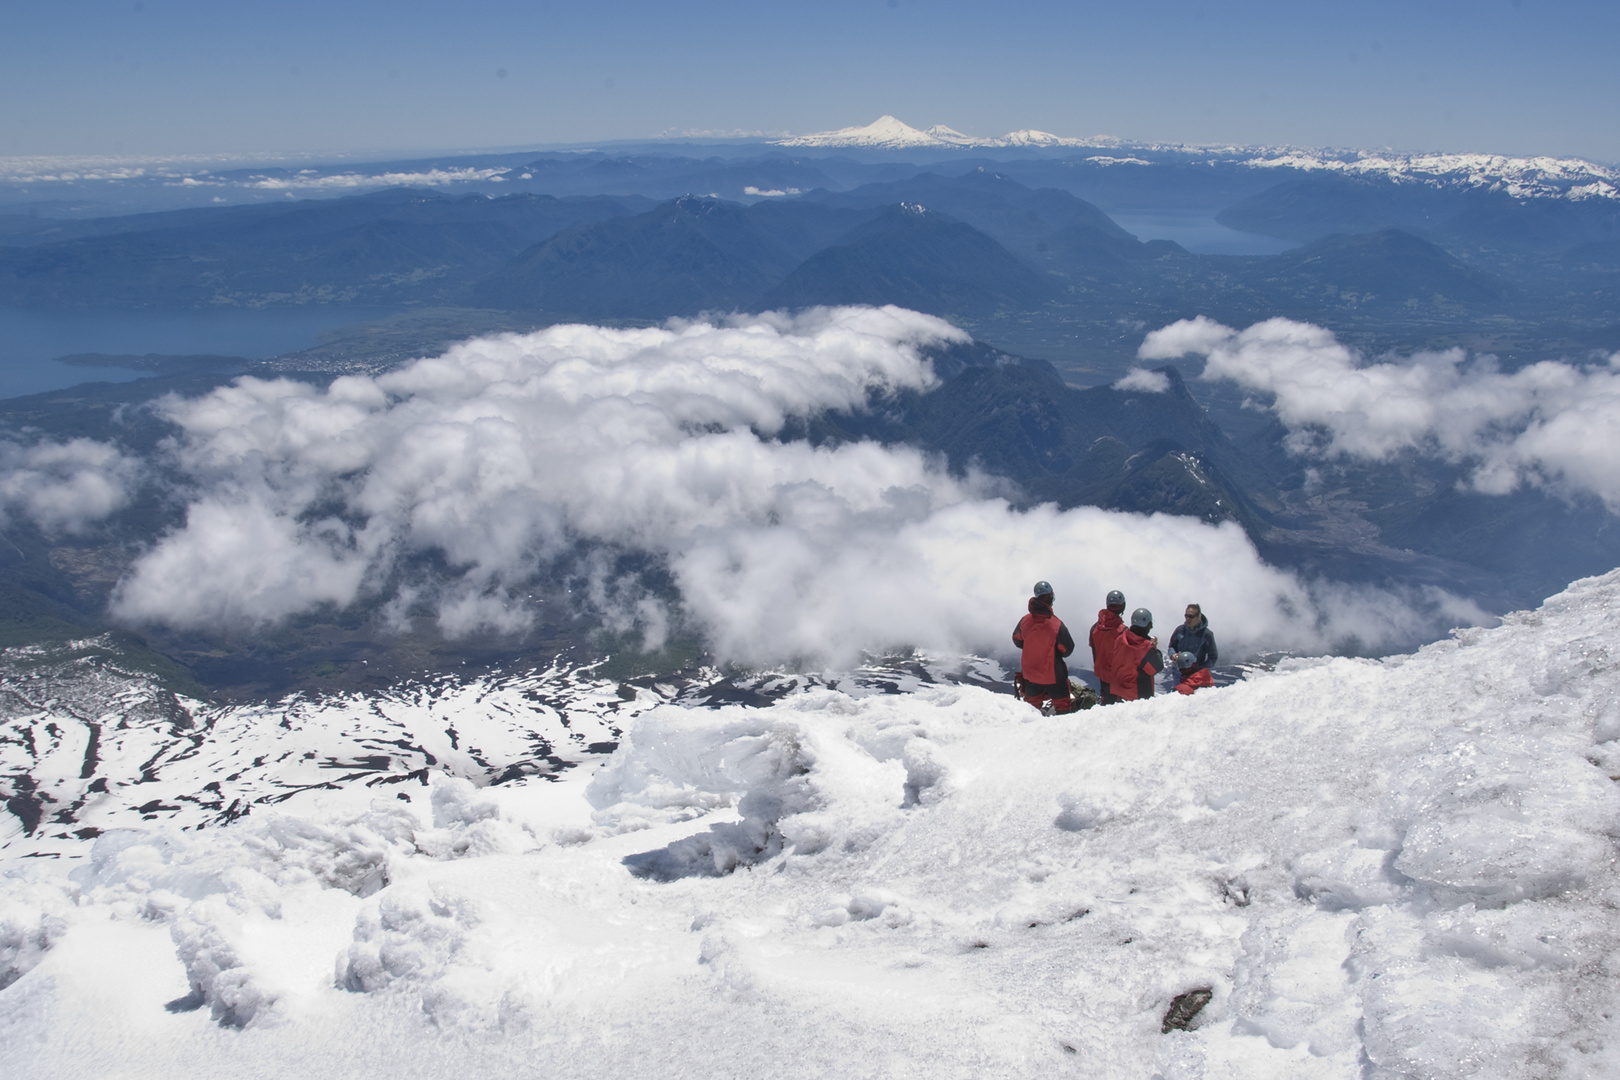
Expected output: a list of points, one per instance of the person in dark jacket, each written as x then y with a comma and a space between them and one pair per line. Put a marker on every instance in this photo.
1043, 674
1193, 636
1104, 638
1138, 660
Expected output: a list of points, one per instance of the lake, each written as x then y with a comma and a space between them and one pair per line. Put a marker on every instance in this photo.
31, 341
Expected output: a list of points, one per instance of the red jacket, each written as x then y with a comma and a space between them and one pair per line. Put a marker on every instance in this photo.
1192, 680
1136, 662
1045, 641
1104, 643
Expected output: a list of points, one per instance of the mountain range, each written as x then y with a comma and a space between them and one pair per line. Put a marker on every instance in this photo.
979, 245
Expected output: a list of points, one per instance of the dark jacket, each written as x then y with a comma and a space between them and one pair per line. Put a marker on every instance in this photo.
1198, 641
1044, 641
1138, 655
1104, 640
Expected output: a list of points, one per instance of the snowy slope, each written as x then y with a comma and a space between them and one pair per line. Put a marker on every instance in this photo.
1370, 869
86, 747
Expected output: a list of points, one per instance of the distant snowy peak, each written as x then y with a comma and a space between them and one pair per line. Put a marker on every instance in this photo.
1535, 177
888, 133
883, 133
941, 133
1523, 178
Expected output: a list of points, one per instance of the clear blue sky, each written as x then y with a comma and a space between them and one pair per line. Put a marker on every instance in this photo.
186, 77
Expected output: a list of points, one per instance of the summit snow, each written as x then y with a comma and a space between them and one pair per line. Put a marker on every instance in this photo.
1339, 869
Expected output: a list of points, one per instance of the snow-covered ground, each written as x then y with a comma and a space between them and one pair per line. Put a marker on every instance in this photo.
1398, 868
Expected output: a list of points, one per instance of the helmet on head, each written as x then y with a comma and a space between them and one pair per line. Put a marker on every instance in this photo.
1141, 617
1186, 660
1115, 597
1043, 588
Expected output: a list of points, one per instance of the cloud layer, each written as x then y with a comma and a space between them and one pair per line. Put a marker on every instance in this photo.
510, 457
1551, 424
64, 487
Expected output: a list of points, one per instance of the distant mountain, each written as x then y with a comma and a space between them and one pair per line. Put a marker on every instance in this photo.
1502, 224
918, 258
1162, 477
804, 227
1025, 221
663, 176
1388, 270
887, 133
688, 255
1519, 178
1015, 417
1522, 178
1315, 205
386, 247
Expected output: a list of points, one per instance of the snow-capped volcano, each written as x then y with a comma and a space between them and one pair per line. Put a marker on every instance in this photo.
888, 133
1340, 869
1521, 177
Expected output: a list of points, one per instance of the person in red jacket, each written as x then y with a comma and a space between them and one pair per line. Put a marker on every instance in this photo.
1194, 676
1137, 660
1104, 638
1043, 640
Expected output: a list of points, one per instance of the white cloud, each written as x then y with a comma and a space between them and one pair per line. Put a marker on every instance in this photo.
1144, 381
508, 454
1201, 335
344, 181
242, 560
64, 487
1549, 423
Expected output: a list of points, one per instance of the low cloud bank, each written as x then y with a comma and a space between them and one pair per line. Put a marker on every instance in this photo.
64, 487
507, 457
1549, 424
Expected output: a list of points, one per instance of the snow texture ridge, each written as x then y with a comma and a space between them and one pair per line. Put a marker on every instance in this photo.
1340, 868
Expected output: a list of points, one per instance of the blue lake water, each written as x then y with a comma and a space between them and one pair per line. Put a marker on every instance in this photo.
31, 341
1198, 232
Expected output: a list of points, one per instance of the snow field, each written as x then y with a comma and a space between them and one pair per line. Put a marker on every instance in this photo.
101, 752
1375, 869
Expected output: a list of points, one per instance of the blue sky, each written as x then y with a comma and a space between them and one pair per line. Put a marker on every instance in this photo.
182, 77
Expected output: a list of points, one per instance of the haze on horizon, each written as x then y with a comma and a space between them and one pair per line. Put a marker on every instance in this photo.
179, 77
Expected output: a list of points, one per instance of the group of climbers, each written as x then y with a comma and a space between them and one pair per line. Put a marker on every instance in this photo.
1125, 657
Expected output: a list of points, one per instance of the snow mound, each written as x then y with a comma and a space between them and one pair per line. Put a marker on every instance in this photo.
1341, 868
